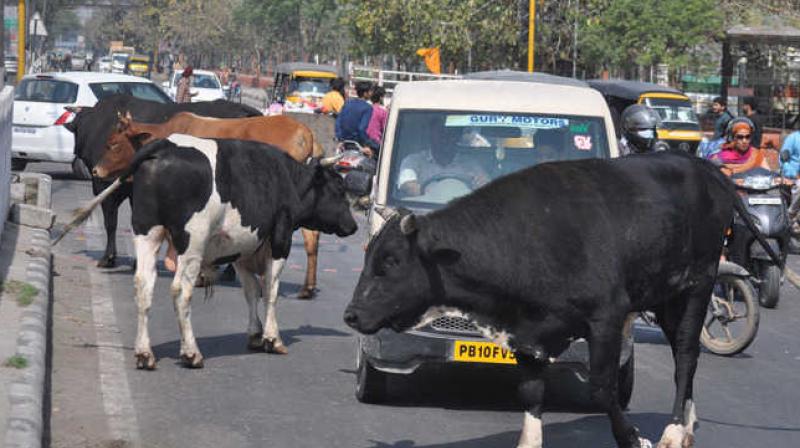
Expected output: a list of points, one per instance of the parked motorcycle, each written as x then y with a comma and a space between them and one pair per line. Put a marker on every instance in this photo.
765, 198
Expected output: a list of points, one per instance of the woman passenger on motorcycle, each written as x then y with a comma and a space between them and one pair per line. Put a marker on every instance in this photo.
737, 154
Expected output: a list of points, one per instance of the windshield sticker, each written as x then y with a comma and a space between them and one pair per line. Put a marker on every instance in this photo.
518, 121
579, 128
583, 142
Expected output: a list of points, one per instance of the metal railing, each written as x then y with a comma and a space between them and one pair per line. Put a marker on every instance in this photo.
389, 78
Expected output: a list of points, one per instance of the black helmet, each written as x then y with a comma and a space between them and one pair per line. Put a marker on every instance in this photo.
732, 124
639, 127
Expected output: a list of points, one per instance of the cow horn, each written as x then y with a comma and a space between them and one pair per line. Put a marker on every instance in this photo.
408, 224
328, 161
385, 212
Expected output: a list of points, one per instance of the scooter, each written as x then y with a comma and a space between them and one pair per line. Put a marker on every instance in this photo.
358, 171
765, 198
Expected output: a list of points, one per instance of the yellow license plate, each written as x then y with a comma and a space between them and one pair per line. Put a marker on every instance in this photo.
488, 352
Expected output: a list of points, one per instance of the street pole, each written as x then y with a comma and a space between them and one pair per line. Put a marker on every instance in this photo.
575, 41
531, 31
21, 30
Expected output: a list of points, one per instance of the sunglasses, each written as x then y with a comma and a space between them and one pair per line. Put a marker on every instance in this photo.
742, 136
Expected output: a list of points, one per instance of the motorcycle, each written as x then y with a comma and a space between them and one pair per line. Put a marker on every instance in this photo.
765, 197
358, 171
733, 314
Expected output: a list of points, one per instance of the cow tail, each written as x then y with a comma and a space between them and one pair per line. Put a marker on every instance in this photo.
748, 220
82, 214
738, 205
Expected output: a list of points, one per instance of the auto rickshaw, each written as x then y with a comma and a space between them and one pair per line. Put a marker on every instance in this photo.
138, 65
300, 86
679, 129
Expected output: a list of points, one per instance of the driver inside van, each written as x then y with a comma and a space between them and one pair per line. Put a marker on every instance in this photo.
440, 160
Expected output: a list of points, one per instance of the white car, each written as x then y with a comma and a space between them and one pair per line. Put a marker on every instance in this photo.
118, 61
104, 64
39, 101
205, 83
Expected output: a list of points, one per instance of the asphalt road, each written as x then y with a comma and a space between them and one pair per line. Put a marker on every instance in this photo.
305, 399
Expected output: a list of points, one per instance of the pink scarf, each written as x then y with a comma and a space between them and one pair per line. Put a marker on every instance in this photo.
732, 156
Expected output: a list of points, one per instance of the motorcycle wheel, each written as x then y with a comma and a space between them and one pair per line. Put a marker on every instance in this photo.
769, 292
732, 319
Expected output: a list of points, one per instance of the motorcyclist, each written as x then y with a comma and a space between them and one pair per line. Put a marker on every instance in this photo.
737, 154
639, 125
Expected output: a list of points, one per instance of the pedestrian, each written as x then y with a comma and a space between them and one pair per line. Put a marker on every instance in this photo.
377, 123
791, 144
720, 107
352, 122
751, 111
183, 93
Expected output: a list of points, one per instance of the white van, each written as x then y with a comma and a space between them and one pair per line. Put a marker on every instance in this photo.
487, 127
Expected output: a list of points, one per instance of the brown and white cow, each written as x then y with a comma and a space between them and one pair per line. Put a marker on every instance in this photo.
283, 132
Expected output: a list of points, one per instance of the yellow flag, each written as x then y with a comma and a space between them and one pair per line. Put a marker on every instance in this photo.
432, 61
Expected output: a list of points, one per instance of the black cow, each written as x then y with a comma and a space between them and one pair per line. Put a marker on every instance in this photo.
561, 251
222, 201
93, 125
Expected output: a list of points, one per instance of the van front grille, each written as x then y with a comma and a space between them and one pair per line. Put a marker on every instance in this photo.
455, 325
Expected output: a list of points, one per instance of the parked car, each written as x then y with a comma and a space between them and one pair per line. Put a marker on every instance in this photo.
10, 65
39, 102
496, 123
78, 61
104, 64
204, 82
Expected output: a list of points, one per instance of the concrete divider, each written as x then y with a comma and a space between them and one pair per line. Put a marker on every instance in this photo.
6, 111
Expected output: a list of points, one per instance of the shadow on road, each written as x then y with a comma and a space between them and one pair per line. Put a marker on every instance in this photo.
235, 344
590, 431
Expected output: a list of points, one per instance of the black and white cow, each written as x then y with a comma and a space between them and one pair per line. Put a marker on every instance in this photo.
93, 125
561, 251
222, 201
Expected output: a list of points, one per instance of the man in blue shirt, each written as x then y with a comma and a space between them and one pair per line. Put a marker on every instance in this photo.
792, 146
352, 121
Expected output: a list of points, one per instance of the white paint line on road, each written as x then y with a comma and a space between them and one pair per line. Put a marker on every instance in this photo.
117, 399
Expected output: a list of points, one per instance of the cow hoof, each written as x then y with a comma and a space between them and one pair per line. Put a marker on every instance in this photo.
275, 346
193, 361
145, 361
688, 441
307, 293
255, 342
107, 262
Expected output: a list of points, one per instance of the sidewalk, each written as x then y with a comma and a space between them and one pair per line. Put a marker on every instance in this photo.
25, 271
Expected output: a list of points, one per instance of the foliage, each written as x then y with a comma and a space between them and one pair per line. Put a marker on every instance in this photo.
24, 292
16, 362
647, 33
487, 29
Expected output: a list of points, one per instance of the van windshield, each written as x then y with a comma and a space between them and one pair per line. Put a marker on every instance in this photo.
675, 114
438, 156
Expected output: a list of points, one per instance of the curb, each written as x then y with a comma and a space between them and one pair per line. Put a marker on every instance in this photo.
26, 423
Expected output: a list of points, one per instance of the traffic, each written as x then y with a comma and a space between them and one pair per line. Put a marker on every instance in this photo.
459, 256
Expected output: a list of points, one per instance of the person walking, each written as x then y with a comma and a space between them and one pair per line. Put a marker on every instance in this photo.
183, 93
751, 111
377, 123
720, 107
